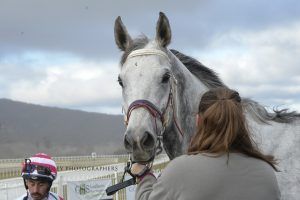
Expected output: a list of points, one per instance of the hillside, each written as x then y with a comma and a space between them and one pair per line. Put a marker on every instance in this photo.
27, 128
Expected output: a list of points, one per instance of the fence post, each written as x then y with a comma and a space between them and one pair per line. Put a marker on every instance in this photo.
60, 188
116, 181
6, 191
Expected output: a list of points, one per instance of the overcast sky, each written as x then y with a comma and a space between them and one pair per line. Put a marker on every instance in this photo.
62, 52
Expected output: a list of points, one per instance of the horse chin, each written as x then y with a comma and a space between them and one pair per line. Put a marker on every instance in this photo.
143, 158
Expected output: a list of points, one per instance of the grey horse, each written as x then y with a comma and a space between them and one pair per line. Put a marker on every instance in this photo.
161, 91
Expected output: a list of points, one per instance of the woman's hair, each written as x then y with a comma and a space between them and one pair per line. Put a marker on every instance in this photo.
223, 127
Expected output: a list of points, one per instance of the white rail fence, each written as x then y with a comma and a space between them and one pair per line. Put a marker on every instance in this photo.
10, 168
14, 187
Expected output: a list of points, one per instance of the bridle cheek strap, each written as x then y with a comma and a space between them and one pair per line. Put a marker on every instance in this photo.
150, 107
155, 113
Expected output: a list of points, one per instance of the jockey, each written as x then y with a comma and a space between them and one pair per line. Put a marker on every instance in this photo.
38, 173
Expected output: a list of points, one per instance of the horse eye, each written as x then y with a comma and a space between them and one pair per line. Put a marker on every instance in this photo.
165, 78
120, 81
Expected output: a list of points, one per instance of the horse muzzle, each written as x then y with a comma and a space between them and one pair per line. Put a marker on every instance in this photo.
142, 146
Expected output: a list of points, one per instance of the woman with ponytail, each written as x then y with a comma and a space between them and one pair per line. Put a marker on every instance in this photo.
222, 127
222, 161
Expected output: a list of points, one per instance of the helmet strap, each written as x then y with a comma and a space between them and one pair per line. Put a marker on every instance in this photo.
26, 187
50, 185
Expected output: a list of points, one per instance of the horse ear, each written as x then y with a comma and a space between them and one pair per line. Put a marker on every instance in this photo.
163, 30
122, 38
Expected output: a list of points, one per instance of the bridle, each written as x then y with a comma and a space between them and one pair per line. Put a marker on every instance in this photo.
151, 108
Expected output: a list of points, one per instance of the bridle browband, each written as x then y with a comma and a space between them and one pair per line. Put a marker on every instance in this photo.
145, 52
150, 107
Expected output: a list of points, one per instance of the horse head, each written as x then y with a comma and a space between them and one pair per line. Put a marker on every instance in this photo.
146, 79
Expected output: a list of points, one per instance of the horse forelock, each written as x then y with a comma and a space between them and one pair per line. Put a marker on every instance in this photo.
138, 43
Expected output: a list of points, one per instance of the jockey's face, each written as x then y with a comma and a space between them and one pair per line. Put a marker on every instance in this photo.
37, 189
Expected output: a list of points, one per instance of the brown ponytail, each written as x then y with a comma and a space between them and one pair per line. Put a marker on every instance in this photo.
223, 127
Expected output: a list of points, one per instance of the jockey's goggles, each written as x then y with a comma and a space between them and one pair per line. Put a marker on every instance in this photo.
30, 168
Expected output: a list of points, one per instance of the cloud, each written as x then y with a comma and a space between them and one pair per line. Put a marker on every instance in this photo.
260, 64
72, 83
85, 28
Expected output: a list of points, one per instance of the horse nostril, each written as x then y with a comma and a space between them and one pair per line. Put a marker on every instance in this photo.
148, 141
128, 142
